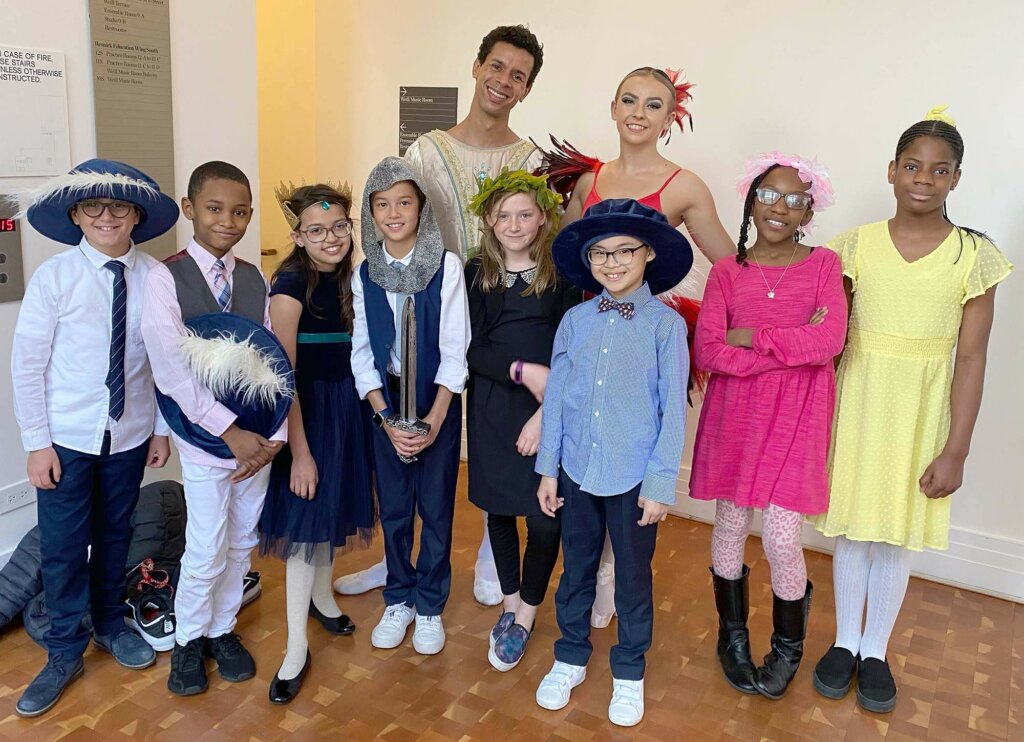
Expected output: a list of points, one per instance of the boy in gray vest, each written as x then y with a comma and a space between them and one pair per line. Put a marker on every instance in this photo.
224, 496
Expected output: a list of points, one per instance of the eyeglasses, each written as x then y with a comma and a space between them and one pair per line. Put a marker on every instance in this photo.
769, 196
319, 234
117, 209
623, 256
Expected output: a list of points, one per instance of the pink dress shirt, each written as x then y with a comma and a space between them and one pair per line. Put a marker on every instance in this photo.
161, 327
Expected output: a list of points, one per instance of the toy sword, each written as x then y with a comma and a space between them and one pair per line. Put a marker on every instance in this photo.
407, 420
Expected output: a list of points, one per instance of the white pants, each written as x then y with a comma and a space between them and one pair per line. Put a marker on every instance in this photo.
219, 537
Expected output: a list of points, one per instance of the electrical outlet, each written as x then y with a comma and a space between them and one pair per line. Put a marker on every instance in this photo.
16, 496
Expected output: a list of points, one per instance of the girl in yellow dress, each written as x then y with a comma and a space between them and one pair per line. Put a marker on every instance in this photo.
918, 286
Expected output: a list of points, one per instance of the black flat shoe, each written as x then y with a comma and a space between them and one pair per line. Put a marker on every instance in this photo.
340, 626
284, 691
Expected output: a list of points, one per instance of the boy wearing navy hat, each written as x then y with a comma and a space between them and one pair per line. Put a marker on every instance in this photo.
86, 417
612, 434
223, 462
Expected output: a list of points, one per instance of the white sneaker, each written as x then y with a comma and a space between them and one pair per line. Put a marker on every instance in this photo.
390, 630
358, 583
428, 636
486, 588
553, 691
627, 706
603, 611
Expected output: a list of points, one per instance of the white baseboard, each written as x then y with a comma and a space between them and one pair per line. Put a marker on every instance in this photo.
992, 565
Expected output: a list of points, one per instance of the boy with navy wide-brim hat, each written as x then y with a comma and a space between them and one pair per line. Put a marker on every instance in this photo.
612, 434
84, 400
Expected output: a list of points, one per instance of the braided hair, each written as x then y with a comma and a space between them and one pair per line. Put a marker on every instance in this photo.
748, 207
951, 136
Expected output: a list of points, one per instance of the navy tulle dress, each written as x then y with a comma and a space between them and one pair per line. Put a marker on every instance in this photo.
337, 425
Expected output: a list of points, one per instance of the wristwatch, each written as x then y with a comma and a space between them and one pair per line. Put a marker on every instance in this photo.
381, 416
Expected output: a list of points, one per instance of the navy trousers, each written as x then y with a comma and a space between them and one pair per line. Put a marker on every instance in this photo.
585, 518
425, 487
91, 506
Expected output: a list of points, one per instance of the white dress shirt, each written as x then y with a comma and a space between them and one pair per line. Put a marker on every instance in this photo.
61, 353
454, 332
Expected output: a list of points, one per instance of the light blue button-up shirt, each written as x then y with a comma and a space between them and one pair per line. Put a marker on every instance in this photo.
615, 405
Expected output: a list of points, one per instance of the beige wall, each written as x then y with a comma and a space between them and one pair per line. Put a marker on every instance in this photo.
214, 101
837, 81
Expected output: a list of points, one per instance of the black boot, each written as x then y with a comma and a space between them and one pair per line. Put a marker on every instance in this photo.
789, 618
732, 602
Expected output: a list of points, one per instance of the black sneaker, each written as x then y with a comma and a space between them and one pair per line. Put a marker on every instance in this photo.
188, 669
833, 674
876, 689
151, 614
251, 588
234, 663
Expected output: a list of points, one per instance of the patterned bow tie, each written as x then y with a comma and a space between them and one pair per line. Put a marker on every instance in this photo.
625, 308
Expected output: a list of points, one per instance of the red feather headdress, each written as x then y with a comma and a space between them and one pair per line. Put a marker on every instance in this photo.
682, 98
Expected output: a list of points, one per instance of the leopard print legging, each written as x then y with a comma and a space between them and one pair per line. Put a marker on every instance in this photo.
780, 536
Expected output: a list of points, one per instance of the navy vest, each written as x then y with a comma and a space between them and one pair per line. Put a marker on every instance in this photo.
380, 324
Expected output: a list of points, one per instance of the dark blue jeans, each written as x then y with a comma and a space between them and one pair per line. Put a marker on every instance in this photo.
425, 487
92, 505
585, 518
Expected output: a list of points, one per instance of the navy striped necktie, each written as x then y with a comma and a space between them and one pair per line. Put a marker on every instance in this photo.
118, 333
220, 283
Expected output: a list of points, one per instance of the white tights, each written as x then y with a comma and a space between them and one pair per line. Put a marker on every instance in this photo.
879, 580
305, 582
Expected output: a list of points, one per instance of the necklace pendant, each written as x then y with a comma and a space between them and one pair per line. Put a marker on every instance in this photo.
771, 294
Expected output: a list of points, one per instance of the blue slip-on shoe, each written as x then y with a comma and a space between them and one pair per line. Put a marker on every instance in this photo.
510, 648
45, 690
506, 619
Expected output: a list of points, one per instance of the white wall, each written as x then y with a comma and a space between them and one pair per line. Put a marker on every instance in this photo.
836, 81
214, 100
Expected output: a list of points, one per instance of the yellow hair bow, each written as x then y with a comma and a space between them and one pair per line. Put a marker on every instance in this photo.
938, 113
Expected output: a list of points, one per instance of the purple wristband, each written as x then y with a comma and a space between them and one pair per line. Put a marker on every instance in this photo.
517, 375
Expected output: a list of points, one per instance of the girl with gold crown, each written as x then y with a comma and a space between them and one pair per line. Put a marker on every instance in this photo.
918, 286
320, 497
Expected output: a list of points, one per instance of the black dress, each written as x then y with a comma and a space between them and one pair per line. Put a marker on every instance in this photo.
507, 327
337, 426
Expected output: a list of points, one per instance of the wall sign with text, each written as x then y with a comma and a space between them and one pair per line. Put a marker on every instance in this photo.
424, 109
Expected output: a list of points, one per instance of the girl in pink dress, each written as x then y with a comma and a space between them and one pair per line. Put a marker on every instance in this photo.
772, 321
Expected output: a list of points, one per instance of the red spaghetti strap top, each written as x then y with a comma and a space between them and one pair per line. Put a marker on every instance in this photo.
653, 200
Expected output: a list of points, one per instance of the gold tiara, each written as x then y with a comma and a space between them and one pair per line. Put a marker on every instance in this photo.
285, 192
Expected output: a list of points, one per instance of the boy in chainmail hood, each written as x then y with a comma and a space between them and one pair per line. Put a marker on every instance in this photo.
416, 471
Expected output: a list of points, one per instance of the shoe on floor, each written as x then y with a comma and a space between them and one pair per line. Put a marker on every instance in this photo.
833, 675
363, 581
151, 616
251, 587
509, 649
506, 619
188, 669
556, 687
45, 690
428, 636
486, 590
390, 630
128, 648
876, 689
234, 663
284, 691
627, 706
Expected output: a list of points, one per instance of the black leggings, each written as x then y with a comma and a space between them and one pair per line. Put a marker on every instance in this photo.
542, 541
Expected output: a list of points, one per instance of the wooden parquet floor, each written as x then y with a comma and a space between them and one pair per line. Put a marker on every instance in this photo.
958, 658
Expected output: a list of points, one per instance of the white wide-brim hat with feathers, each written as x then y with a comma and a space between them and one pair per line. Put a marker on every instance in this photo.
47, 207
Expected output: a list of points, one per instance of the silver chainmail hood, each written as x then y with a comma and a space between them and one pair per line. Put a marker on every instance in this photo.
427, 256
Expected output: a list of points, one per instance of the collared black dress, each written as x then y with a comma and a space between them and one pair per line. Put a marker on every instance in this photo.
507, 327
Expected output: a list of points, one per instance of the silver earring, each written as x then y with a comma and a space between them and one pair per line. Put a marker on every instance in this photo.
798, 235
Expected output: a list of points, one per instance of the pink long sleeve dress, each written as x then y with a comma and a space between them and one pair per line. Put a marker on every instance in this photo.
766, 420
